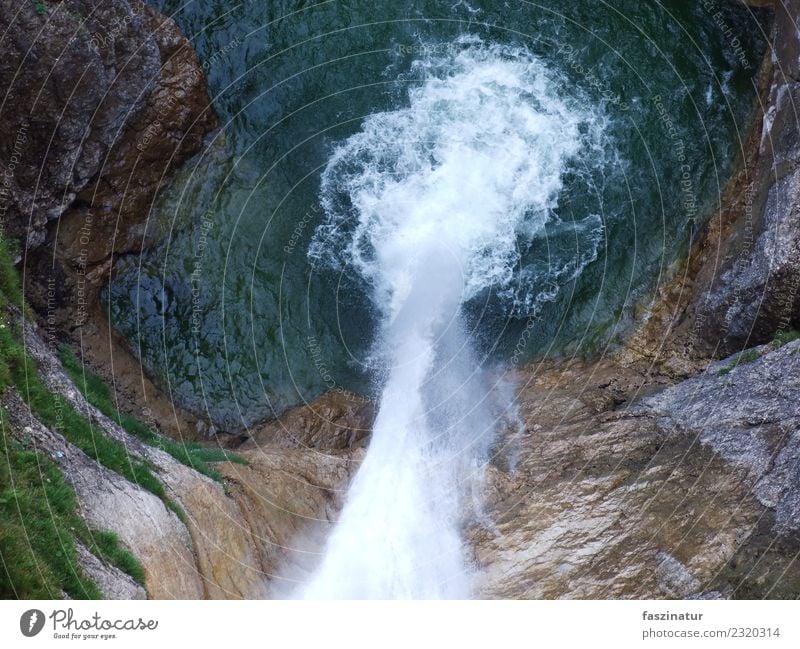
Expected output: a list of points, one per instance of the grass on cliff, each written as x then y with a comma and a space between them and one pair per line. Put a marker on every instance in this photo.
38, 559
56, 413
21, 371
38, 529
39, 524
99, 395
745, 357
785, 337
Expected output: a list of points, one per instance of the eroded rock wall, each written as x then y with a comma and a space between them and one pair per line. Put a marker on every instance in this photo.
102, 101
740, 286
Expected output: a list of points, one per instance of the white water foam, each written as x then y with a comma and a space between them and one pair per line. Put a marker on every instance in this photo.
432, 204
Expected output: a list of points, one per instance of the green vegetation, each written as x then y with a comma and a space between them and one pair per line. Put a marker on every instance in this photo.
745, 357
98, 394
785, 337
39, 524
38, 559
106, 546
39, 7
748, 357
53, 411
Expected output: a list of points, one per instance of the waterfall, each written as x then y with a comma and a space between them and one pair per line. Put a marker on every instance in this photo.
431, 205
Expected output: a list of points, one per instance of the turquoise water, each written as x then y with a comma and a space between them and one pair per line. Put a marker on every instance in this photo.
240, 322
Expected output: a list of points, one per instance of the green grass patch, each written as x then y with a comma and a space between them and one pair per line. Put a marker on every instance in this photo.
56, 413
38, 559
39, 525
107, 547
97, 393
785, 337
745, 357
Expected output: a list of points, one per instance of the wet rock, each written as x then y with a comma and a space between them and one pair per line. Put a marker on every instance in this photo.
105, 100
290, 499
749, 290
749, 414
670, 495
334, 421
67, 100
760, 293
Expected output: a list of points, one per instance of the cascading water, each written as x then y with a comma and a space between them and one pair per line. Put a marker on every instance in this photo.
288, 80
432, 205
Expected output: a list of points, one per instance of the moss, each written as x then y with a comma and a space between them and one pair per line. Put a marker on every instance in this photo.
98, 394
785, 337
745, 357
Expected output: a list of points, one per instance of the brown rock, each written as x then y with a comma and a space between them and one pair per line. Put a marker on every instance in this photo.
674, 495
334, 421
105, 100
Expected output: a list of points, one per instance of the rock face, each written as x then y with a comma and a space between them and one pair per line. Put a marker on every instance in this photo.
113, 583
660, 473
334, 421
673, 495
233, 541
747, 285
103, 100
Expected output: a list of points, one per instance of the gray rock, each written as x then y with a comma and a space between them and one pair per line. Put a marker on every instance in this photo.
113, 583
750, 417
750, 286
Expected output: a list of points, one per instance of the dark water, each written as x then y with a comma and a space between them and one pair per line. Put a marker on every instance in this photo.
229, 310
